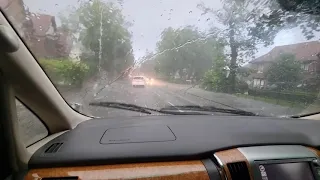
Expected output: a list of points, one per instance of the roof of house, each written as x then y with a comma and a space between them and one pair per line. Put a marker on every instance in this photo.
303, 51
42, 23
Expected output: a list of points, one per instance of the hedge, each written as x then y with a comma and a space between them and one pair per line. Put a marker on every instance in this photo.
65, 71
287, 96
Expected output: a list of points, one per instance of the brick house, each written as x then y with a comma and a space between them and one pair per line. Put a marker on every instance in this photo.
308, 53
45, 39
39, 31
15, 11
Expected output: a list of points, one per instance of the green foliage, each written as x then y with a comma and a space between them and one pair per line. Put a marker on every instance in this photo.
65, 71
287, 14
242, 30
215, 80
286, 69
187, 52
98, 20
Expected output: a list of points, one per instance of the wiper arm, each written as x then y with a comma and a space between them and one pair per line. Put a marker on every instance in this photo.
133, 107
210, 109
125, 106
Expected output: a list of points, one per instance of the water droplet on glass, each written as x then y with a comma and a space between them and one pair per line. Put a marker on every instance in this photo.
190, 12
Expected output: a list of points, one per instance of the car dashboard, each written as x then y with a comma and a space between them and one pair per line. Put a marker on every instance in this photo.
183, 147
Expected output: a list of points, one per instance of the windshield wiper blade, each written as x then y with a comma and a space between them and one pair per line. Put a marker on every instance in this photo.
210, 109
124, 106
133, 107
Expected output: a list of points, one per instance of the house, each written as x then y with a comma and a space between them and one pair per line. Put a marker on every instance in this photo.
45, 39
64, 44
308, 53
39, 31
15, 11
42, 35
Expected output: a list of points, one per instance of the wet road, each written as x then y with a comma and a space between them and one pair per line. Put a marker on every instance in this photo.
156, 96
163, 94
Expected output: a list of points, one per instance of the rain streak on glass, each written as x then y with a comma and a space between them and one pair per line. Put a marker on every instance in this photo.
251, 56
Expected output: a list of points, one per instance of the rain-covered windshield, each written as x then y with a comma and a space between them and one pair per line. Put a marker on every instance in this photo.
252, 55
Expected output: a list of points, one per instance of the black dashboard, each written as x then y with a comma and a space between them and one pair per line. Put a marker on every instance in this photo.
264, 144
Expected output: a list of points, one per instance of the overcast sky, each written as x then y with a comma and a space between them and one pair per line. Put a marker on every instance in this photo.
151, 17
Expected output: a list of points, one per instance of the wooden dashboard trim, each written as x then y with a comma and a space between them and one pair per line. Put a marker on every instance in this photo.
231, 156
158, 170
315, 151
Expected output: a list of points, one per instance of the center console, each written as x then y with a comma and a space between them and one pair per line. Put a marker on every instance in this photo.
283, 162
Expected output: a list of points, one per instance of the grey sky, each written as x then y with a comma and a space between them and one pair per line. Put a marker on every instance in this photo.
151, 17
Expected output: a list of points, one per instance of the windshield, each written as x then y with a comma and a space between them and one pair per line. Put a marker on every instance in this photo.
253, 55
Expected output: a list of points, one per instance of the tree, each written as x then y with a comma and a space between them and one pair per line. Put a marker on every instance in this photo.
286, 70
148, 64
239, 28
287, 14
216, 78
186, 52
102, 29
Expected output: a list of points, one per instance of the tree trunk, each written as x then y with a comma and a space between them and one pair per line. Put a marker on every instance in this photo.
233, 63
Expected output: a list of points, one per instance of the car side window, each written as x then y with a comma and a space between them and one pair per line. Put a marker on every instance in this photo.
30, 127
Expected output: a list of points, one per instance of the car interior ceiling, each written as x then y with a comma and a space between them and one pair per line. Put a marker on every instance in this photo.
22, 77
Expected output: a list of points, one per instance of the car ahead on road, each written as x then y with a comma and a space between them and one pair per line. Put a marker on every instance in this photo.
138, 81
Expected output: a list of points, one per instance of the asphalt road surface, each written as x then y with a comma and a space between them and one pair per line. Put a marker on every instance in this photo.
157, 95
162, 94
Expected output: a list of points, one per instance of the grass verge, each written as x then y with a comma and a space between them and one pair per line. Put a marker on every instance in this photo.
275, 101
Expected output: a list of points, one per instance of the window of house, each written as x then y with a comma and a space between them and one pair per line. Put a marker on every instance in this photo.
305, 67
30, 127
262, 83
256, 82
260, 68
312, 67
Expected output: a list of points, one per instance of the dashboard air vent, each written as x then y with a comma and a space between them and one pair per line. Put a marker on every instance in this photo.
239, 170
53, 148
